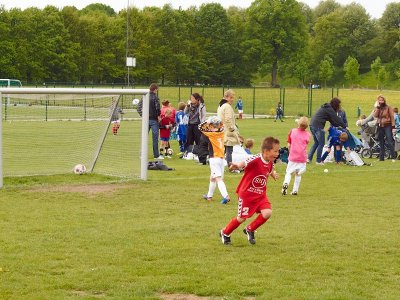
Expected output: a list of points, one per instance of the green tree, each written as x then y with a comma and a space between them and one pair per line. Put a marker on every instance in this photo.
326, 69
215, 36
342, 33
375, 68
7, 47
382, 77
351, 70
281, 28
390, 34
325, 8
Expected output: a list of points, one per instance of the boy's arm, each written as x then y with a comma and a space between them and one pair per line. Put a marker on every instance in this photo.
274, 174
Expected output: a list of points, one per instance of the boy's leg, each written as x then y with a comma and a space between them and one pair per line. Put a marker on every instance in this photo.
231, 226
211, 188
338, 154
222, 187
263, 217
325, 155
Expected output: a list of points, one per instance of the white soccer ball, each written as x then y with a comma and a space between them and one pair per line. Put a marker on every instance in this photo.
80, 169
170, 151
326, 171
135, 102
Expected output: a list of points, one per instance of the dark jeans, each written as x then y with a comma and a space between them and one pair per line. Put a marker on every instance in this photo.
228, 154
386, 132
155, 130
193, 135
319, 142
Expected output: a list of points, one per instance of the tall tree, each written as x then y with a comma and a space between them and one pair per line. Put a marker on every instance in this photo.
281, 28
341, 34
215, 36
351, 70
326, 69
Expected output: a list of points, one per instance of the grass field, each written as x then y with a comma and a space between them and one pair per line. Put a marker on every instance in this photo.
101, 237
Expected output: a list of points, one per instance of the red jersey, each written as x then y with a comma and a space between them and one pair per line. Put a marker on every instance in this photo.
166, 132
253, 185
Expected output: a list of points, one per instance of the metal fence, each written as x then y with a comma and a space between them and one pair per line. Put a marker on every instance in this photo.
258, 101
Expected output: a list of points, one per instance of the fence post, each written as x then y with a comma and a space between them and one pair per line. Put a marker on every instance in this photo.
47, 104
254, 101
1, 141
283, 101
310, 98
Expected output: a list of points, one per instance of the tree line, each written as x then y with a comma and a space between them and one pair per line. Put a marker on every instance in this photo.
209, 45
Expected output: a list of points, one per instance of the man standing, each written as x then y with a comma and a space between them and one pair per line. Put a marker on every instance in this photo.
226, 113
154, 119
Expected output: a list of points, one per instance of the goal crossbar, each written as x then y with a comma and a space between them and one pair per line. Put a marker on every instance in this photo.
88, 91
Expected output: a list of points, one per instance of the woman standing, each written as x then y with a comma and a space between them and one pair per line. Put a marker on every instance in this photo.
227, 115
196, 112
384, 115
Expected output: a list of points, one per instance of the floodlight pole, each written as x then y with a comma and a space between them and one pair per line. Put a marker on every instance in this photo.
1, 141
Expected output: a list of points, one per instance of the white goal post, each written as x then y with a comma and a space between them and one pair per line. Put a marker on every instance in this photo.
5, 92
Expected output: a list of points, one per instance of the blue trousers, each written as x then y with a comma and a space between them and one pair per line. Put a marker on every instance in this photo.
155, 131
319, 142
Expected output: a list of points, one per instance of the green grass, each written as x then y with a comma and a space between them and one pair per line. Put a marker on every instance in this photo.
62, 238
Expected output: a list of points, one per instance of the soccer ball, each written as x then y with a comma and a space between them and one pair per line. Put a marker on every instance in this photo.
135, 102
170, 151
80, 169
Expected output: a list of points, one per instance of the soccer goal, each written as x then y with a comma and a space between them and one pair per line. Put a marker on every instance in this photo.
47, 131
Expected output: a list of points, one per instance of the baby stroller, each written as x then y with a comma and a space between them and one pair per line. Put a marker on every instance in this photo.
397, 142
374, 148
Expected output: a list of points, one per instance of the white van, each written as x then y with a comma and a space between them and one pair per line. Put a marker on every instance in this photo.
10, 83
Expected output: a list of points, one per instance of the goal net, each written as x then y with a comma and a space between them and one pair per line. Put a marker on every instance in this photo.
49, 131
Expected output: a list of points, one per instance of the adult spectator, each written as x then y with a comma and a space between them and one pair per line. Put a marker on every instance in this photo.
327, 112
385, 121
154, 119
196, 112
227, 115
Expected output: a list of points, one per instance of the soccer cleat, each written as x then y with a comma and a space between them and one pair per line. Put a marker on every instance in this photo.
205, 197
320, 163
225, 200
160, 157
250, 236
225, 239
294, 193
284, 188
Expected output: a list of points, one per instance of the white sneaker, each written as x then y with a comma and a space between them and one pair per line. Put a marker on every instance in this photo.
160, 157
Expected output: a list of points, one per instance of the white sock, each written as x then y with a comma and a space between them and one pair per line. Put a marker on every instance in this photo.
211, 189
296, 185
222, 188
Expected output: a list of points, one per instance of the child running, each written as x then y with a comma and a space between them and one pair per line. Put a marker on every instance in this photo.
213, 129
252, 191
298, 140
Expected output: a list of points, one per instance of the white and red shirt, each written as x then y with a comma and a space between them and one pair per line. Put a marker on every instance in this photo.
298, 140
253, 185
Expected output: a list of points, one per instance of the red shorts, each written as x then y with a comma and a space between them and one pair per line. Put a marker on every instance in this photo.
248, 208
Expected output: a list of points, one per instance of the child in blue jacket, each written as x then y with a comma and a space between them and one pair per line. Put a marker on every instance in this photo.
338, 138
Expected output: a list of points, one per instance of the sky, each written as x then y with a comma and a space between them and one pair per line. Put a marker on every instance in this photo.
374, 7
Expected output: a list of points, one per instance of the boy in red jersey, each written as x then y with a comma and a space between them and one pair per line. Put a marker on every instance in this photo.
252, 190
